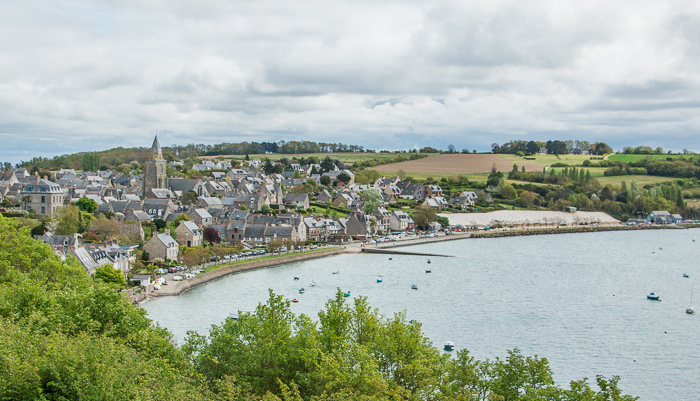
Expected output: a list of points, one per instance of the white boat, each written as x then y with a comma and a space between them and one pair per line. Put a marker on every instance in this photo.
449, 346
414, 287
301, 290
233, 315
312, 284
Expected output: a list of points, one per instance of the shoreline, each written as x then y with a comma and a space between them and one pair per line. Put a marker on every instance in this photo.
179, 287
176, 288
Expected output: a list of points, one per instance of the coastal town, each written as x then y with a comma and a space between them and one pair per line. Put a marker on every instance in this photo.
152, 228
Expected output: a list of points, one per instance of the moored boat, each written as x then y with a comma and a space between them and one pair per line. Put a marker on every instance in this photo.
347, 294
414, 287
379, 279
295, 300
301, 290
233, 315
653, 297
449, 346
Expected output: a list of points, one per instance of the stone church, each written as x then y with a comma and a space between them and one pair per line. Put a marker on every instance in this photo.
154, 176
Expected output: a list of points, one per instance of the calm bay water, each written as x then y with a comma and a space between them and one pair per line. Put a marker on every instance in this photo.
578, 300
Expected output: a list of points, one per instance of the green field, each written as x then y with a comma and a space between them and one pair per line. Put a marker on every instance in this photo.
620, 157
548, 160
642, 180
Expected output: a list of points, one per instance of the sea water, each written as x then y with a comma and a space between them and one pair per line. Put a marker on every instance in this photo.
578, 300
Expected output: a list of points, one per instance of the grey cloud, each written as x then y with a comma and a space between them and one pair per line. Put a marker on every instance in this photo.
378, 74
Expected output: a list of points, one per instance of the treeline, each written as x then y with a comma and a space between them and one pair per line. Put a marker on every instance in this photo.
671, 167
283, 147
113, 158
65, 336
555, 147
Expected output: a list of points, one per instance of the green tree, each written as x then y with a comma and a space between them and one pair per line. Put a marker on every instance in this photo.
327, 165
68, 220
325, 180
344, 178
108, 274
372, 198
423, 216
86, 204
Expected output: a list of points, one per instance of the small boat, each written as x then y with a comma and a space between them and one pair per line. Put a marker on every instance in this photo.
428, 270
347, 294
301, 290
449, 346
296, 278
391, 258
379, 279
653, 297
685, 275
414, 287
233, 315
312, 284
295, 300
336, 272
429, 262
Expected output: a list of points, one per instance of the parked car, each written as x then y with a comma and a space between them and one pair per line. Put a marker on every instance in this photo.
172, 270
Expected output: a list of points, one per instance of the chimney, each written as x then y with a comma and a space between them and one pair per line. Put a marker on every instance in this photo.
166, 231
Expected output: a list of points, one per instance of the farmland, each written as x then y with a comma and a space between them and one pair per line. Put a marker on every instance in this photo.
642, 180
548, 160
451, 164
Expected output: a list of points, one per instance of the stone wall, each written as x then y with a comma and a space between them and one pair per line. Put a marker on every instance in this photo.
178, 287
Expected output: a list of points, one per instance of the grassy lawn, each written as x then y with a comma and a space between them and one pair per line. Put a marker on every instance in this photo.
238, 262
548, 160
642, 180
633, 158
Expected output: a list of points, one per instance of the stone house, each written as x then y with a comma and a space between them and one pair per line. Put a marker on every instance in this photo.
383, 218
44, 197
189, 234
297, 201
400, 221
162, 246
200, 216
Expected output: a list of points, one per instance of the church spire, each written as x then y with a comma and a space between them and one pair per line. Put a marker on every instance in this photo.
156, 152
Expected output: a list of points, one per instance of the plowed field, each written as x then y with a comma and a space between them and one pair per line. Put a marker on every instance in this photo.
455, 164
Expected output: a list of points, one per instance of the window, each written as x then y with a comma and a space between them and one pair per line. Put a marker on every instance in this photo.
43, 199
43, 210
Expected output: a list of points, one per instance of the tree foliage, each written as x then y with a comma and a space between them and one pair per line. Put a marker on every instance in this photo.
86, 204
108, 274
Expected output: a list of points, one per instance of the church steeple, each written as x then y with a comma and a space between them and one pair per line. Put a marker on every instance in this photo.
156, 152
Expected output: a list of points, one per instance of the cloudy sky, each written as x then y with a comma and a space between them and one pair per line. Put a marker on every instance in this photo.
91, 75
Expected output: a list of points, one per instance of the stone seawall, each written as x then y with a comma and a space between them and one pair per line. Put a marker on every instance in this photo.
568, 230
178, 287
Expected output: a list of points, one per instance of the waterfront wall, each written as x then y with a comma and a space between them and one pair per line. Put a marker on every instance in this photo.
569, 230
178, 287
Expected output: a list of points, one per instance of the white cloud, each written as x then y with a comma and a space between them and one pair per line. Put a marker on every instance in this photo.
84, 75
